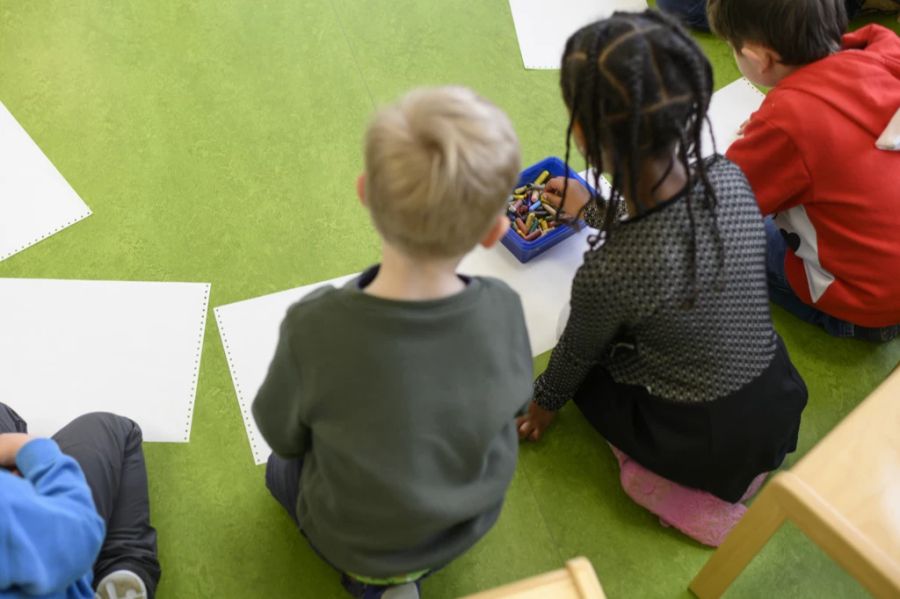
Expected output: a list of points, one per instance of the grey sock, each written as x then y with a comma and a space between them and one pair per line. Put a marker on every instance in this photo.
404, 591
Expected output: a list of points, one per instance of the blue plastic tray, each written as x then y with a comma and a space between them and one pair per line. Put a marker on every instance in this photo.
526, 250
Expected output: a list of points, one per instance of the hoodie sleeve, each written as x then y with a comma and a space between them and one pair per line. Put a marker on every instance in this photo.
877, 39
50, 532
772, 164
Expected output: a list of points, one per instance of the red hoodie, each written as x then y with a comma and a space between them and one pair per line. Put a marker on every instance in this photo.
809, 153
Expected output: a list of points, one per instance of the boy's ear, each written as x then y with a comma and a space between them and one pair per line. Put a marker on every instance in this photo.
361, 188
763, 58
496, 232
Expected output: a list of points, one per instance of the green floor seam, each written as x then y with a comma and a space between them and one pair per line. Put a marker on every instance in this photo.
352, 49
560, 555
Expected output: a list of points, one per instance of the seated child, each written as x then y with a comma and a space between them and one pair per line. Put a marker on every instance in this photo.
810, 155
693, 12
669, 349
74, 510
390, 403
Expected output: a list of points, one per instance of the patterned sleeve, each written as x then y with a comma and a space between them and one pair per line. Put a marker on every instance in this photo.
593, 215
596, 316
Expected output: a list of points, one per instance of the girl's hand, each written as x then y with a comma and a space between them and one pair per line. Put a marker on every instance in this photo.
533, 424
576, 196
10, 444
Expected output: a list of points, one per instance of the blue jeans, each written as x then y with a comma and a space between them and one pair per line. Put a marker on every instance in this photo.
283, 481
781, 294
690, 12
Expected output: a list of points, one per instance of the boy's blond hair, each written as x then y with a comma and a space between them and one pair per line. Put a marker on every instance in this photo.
440, 163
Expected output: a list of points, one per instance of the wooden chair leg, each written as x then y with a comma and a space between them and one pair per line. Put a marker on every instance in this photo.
757, 526
841, 540
585, 578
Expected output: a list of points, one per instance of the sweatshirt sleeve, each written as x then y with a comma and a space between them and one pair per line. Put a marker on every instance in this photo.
278, 404
772, 164
593, 322
877, 39
50, 532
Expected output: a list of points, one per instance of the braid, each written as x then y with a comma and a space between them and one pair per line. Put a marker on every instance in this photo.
597, 118
636, 89
684, 156
701, 71
562, 203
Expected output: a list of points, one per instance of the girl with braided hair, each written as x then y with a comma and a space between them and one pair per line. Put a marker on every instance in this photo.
669, 350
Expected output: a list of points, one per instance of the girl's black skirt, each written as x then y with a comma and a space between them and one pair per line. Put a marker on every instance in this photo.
718, 446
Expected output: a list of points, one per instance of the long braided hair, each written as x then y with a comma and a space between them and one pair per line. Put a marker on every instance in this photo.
639, 86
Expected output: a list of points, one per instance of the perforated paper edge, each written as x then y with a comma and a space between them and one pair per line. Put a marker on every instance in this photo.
746, 82
241, 399
192, 396
44, 236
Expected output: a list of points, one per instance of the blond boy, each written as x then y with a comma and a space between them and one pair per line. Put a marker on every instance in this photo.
390, 403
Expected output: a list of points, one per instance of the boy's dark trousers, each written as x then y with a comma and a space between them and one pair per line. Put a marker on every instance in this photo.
283, 481
108, 449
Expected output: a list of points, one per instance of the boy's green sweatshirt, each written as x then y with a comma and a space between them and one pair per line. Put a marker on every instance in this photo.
404, 415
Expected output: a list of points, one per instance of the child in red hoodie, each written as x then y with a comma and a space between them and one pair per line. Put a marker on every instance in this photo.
810, 155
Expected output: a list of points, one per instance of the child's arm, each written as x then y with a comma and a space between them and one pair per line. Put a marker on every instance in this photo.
772, 164
277, 406
875, 38
50, 532
596, 315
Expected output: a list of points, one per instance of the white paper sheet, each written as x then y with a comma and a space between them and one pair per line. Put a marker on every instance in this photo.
543, 27
544, 283
249, 331
71, 347
728, 109
35, 200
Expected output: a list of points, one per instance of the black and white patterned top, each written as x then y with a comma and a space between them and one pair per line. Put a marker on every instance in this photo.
630, 305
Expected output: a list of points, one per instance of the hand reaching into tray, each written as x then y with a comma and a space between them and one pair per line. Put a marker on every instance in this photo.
577, 196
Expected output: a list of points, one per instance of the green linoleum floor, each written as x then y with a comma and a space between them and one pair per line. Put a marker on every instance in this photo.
219, 141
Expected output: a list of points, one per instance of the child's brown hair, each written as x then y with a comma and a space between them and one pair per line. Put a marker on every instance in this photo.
800, 31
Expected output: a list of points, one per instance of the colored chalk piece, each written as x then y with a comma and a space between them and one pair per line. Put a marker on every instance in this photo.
534, 227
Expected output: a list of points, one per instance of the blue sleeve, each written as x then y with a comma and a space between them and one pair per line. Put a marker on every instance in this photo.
50, 532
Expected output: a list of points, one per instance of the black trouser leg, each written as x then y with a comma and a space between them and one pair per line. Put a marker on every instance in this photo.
283, 482
10, 422
108, 449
